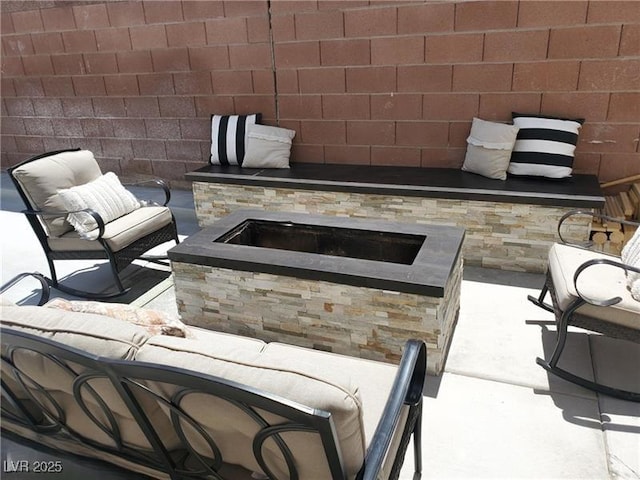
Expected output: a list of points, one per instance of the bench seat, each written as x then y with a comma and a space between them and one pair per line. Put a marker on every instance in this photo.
579, 191
510, 224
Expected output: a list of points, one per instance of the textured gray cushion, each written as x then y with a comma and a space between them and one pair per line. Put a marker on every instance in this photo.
268, 147
489, 147
105, 195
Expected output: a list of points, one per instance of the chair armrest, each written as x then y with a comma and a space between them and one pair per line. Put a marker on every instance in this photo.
408, 388
601, 261
159, 182
52, 213
44, 294
590, 214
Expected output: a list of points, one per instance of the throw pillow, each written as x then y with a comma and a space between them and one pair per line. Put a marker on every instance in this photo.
229, 137
268, 147
105, 195
155, 322
489, 147
544, 146
631, 256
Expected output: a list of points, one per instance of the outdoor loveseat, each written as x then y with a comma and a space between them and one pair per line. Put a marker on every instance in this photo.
207, 405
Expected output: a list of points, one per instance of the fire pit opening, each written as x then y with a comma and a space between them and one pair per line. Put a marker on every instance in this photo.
356, 286
378, 246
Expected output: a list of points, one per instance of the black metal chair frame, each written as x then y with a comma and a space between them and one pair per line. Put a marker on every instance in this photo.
117, 260
132, 380
571, 316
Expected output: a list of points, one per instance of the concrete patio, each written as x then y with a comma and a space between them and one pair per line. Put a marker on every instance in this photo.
493, 414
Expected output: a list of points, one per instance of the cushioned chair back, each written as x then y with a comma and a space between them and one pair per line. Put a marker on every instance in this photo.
40, 178
52, 380
170, 407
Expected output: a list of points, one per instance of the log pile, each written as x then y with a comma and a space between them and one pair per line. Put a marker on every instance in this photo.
610, 236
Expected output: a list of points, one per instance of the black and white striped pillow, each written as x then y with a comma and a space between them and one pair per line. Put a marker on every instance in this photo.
229, 137
544, 146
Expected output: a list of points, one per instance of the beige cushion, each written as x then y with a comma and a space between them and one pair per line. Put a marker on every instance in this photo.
489, 147
268, 147
373, 394
118, 234
153, 321
313, 384
105, 195
92, 333
42, 179
631, 256
599, 282
220, 339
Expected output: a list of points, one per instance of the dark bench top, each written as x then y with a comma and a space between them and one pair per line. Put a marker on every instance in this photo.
579, 191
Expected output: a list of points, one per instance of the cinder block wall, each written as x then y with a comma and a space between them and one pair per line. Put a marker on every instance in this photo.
362, 82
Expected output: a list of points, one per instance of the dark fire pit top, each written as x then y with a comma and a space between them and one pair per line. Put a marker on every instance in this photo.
395, 256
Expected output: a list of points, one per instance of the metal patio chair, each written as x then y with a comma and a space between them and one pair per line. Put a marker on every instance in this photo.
589, 297
121, 241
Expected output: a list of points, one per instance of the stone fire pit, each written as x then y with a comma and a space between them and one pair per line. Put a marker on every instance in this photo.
352, 286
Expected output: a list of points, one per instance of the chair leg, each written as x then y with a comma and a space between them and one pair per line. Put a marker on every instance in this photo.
163, 259
44, 284
589, 385
552, 365
55, 283
417, 444
539, 301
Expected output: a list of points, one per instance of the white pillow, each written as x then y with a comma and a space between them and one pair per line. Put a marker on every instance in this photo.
631, 256
268, 147
105, 195
489, 148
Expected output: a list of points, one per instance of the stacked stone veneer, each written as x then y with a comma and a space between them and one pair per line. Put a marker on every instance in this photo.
357, 321
509, 236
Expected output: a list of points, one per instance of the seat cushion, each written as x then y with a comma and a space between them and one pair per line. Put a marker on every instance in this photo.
118, 234
95, 334
311, 383
599, 282
41, 180
373, 394
154, 321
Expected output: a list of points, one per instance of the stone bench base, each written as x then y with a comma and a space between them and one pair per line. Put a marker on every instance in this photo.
503, 235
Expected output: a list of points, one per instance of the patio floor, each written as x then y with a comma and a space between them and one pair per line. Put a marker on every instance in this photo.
493, 414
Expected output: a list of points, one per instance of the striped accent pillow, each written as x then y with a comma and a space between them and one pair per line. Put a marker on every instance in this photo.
544, 146
229, 137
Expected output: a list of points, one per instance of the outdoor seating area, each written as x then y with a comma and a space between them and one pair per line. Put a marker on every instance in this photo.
319, 240
491, 406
